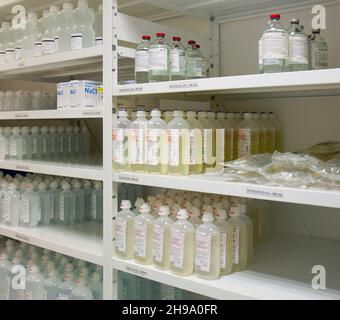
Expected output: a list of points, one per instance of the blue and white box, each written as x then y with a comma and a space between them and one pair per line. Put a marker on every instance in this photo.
83, 94
63, 95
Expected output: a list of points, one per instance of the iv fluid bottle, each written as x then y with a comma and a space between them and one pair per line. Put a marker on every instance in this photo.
248, 136
81, 291
156, 144
10, 206
36, 143
97, 202
66, 287
159, 59
207, 248
142, 60
143, 232
178, 145
278, 132
34, 284
46, 204
67, 203
161, 239
98, 25
16, 144
262, 148
195, 144
79, 202
137, 143
120, 139
270, 130
275, 46
30, 35
48, 37
177, 60
30, 207
318, 51
124, 246
182, 245
65, 26
51, 285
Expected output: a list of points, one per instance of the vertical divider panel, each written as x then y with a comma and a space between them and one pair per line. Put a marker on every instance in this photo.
109, 9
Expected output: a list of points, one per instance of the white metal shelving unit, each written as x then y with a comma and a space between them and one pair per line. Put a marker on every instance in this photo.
282, 266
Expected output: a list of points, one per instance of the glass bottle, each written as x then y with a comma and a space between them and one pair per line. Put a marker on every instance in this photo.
159, 59
177, 60
318, 51
142, 60
248, 137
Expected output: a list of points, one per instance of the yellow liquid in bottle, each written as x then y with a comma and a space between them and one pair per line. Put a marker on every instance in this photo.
262, 141
240, 235
182, 169
226, 247
196, 146
211, 165
165, 264
270, 141
229, 145
155, 166
129, 252
188, 255
215, 256
147, 257
247, 142
278, 140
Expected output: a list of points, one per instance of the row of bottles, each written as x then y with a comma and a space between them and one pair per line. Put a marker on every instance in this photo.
189, 143
208, 247
291, 50
41, 200
25, 100
45, 275
57, 30
159, 61
45, 143
132, 287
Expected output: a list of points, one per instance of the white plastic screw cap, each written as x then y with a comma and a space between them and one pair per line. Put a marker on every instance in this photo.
126, 204
164, 211
182, 214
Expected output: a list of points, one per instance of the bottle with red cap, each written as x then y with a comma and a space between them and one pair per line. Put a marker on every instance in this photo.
195, 61
178, 60
275, 48
159, 59
142, 60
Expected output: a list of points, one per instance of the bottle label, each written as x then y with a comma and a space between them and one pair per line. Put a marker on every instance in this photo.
140, 239
275, 45
142, 61
203, 251
195, 147
34, 145
13, 148
236, 245
93, 206
177, 248
121, 225
61, 208
220, 145
175, 61
196, 67
244, 142
173, 147
38, 49
208, 146
319, 55
76, 43
24, 210
118, 145
298, 48
158, 243
63, 296
153, 147
137, 146
6, 208
48, 46
223, 249
158, 59
261, 51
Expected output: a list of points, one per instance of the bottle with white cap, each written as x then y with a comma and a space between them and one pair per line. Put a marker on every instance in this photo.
66, 287
5, 144
240, 239
156, 144
207, 248
178, 145
248, 137
48, 38
26, 143
137, 143
278, 132
120, 145
45, 204
52, 133
34, 284
96, 286
51, 285
83, 35
139, 202
15, 144
29, 36
67, 203
250, 228
124, 226
45, 144
54, 198
98, 25
4, 283
182, 245
65, 26
97, 202
161, 239
226, 241
143, 231
195, 214
30, 207
36, 143
10, 205
79, 201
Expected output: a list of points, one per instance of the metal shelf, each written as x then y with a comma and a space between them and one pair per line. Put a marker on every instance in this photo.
74, 170
52, 114
217, 184
321, 82
83, 241
281, 270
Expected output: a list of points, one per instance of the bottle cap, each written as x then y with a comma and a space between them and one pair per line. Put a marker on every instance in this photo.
191, 42
125, 204
234, 212
145, 37
295, 21
145, 208
316, 31
76, 185
160, 35
141, 113
155, 113
66, 186
164, 211
182, 214
42, 186
208, 217
176, 38
98, 185
247, 115
221, 214
178, 113
275, 16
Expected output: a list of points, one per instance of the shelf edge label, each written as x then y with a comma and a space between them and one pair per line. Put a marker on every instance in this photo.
136, 271
185, 85
128, 179
262, 193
